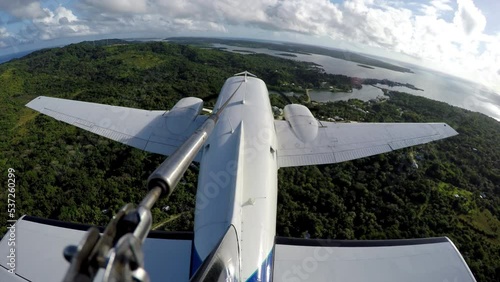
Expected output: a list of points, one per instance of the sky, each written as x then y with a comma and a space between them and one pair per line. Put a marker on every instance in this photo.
459, 37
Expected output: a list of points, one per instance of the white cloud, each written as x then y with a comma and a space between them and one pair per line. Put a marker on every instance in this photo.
312, 16
442, 5
121, 6
5, 38
60, 23
469, 18
4, 33
24, 9
436, 8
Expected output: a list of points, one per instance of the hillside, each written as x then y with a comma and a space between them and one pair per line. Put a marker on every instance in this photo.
68, 174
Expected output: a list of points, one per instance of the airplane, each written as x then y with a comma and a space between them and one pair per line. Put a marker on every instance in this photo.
234, 236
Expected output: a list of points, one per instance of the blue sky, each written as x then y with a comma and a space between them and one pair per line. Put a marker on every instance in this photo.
461, 37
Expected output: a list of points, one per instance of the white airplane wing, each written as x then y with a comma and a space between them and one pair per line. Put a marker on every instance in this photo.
339, 142
158, 132
413, 260
39, 245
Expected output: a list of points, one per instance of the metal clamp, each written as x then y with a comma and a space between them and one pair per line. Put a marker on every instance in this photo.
118, 250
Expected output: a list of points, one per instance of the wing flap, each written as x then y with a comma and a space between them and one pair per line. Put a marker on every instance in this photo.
40, 243
432, 259
339, 142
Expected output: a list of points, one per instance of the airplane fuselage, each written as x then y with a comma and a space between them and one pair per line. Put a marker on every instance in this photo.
237, 184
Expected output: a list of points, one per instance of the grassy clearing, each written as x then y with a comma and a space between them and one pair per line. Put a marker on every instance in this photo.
450, 190
465, 197
484, 223
11, 82
25, 115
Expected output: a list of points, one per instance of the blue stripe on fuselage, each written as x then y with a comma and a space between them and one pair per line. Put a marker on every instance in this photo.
195, 260
265, 272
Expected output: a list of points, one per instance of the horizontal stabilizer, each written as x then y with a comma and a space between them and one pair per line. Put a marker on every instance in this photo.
339, 142
151, 131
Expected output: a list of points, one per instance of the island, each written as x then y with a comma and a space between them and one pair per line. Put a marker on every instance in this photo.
244, 51
287, 54
367, 67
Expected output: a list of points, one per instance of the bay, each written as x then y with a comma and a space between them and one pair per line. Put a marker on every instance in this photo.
436, 85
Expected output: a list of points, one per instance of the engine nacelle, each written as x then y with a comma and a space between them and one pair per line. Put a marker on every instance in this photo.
303, 123
185, 111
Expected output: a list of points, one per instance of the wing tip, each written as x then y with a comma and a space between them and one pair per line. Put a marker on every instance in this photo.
36, 104
448, 130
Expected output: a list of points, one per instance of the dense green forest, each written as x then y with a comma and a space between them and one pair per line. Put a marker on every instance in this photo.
65, 173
